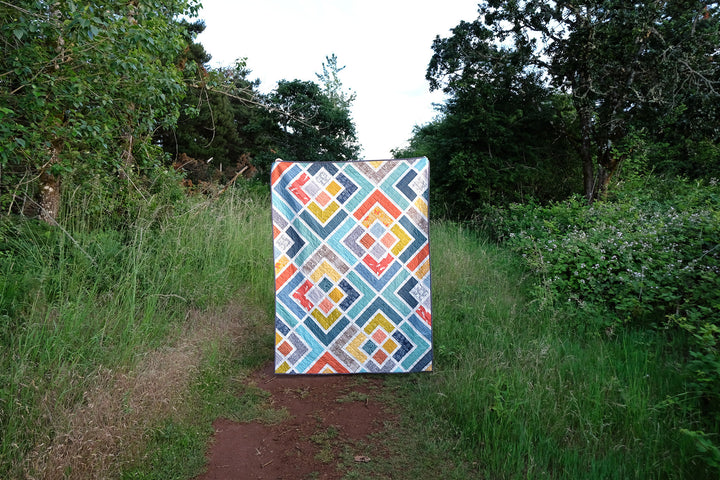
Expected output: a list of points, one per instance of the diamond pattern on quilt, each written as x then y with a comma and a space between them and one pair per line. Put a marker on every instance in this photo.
352, 267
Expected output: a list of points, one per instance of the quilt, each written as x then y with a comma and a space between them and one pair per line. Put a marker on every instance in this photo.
352, 267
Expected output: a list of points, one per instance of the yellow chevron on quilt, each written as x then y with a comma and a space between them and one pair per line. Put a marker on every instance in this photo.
352, 267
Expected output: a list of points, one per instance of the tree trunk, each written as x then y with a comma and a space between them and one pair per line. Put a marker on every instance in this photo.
50, 184
50, 188
128, 159
606, 169
586, 155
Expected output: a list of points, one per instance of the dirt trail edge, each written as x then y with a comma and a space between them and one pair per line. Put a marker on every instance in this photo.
331, 420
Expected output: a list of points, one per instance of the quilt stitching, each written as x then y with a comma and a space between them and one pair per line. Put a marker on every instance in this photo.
352, 267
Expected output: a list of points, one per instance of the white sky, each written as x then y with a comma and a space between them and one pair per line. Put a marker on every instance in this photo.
385, 45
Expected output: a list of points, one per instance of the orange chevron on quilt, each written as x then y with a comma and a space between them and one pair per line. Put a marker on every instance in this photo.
352, 267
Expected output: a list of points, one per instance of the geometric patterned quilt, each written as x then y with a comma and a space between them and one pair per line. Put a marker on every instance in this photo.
352, 267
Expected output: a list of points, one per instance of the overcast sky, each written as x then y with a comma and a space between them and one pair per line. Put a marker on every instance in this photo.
385, 45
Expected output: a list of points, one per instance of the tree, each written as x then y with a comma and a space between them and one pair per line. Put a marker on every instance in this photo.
313, 128
209, 126
685, 125
205, 129
495, 142
497, 137
83, 85
332, 86
226, 117
226, 121
616, 60
253, 116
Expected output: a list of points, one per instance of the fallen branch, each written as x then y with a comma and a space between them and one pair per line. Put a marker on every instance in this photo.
232, 181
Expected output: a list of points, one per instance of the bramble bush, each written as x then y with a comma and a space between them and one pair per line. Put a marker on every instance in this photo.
648, 258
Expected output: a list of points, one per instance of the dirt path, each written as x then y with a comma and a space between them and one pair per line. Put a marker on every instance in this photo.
331, 419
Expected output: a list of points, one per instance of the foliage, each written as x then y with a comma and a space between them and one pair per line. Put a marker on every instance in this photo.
314, 128
645, 256
205, 129
98, 203
85, 83
507, 373
495, 144
648, 259
515, 393
648, 66
332, 85
224, 120
228, 122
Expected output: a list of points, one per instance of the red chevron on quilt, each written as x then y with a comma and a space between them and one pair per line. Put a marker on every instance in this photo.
352, 267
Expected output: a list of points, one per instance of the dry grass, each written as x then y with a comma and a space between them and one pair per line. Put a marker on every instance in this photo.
96, 437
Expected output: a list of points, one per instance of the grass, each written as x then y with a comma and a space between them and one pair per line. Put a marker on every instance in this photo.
516, 393
140, 330
90, 307
325, 440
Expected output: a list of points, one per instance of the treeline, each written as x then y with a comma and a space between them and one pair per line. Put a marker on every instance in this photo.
548, 99
116, 97
545, 99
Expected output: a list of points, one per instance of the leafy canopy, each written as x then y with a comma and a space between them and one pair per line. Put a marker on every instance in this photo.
84, 84
626, 66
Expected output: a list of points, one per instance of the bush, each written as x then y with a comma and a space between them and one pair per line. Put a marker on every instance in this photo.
649, 258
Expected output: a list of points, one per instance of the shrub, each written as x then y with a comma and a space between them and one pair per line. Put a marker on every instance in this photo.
649, 258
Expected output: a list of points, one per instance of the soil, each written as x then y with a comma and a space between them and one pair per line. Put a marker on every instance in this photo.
330, 418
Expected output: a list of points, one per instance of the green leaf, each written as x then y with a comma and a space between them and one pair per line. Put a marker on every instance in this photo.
19, 33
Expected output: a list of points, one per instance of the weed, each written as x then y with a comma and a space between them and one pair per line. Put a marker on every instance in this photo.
325, 440
353, 396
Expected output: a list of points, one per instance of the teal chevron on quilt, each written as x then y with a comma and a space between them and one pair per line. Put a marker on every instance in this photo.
352, 267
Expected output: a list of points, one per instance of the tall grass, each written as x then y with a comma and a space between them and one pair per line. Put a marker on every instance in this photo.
77, 299
518, 391
520, 395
